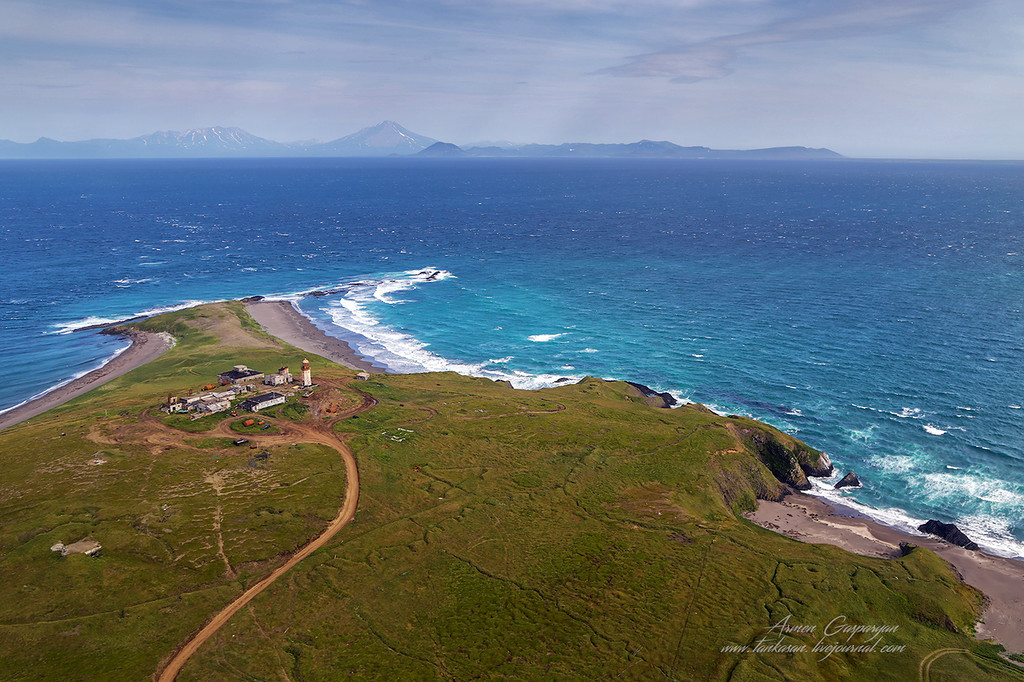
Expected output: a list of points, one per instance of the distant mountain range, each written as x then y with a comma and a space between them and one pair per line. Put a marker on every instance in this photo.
384, 139
642, 149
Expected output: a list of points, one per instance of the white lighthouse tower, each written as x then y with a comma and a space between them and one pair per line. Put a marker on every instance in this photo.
307, 377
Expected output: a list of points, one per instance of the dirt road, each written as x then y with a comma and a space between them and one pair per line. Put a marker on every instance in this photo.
322, 433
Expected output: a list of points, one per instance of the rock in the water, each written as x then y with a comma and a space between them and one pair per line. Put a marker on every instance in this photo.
948, 532
822, 469
850, 480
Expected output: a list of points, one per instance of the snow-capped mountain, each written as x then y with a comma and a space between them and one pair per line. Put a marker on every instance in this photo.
215, 138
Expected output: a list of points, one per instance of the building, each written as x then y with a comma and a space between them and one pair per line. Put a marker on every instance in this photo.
307, 377
238, 375
260, 402
363, 376
173, 404
212, 406
282, 377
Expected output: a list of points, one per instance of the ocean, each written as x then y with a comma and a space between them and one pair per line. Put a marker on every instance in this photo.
871, 309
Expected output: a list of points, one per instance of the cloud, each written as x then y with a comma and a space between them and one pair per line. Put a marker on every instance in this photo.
714, 57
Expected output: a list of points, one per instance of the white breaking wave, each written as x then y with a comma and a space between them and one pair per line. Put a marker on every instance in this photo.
862, 434
908, 412
896, 518
541, 338
934, 430
92, 321
895, 464
990, 532
126, 282
401, 352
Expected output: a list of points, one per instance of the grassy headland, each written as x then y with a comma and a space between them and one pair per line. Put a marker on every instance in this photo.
566, 533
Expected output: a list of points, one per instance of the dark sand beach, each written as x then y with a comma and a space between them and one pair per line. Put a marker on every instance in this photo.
145, 347
280, 319
809, 519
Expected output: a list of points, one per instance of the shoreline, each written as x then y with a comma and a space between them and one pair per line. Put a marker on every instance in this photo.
145, 348
280, 319
807, 518
799, 516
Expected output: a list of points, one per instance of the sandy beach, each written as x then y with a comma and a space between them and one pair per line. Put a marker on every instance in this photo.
280, 319
145, 347
809, 519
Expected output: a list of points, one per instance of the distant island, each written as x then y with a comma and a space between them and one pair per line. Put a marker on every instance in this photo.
384, 139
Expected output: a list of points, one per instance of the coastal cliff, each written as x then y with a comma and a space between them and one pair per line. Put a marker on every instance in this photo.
790, 460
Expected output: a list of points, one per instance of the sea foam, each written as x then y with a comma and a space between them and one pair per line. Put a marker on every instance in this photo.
402, 352
92, 321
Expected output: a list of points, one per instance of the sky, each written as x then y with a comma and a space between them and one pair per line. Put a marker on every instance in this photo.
866, 78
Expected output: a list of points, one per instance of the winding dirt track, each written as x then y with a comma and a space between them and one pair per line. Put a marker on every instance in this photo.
925, 669
322, 433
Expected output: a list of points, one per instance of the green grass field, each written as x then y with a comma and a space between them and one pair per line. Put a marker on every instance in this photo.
567, 533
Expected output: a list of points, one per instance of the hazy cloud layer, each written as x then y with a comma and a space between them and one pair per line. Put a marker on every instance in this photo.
898, 78
713, 58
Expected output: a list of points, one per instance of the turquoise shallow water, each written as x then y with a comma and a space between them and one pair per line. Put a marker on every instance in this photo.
872, 309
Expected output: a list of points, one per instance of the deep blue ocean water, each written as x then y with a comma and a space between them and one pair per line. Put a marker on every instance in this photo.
872, 309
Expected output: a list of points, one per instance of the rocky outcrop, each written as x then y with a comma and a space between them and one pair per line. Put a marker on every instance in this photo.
88, 547
787, 458
779, 459
850, 480
906, 548
948, 532
654, 398
819, 467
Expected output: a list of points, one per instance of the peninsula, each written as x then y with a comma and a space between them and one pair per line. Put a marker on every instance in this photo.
435, 526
